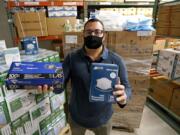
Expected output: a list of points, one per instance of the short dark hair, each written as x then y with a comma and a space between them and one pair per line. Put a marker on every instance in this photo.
94, 20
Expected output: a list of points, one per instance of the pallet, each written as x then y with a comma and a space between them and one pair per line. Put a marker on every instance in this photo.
66, 130
123, 128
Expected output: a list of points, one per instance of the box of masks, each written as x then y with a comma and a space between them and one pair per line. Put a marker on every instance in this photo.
24, 75
103, 79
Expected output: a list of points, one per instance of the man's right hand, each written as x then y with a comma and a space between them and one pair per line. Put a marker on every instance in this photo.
44, 89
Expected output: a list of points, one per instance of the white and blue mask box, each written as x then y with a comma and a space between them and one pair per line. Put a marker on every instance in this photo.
30, 45
103, 79
22, 75
2, 47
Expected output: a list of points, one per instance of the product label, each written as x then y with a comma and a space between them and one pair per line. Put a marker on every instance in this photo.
103, 79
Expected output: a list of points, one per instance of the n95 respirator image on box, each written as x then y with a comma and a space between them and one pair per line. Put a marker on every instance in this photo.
103, 79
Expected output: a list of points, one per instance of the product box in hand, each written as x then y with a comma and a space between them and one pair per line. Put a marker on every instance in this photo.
31, 74
103, 79
30, 45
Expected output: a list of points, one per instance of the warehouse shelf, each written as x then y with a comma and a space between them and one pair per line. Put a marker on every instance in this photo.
41, 38
11, 4
167, 115
120, 4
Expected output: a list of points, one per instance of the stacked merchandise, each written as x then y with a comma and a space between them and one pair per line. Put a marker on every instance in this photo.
168, 20
60, 19
34, 21
166, 93
31, 23
136, 49
169, 63
72, 41
26, 111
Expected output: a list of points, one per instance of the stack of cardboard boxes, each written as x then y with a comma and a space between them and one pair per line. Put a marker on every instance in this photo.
25, 112
168, 20
166, 93
136, 49
37, 24
31, 24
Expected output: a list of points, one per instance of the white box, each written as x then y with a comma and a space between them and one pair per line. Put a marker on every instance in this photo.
20, 104
40, 111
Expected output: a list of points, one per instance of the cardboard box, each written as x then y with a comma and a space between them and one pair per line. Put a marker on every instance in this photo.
159, 45
162, 31
20, 104
175, 19
73, 39
31, 24
134, 44
164, 9
56, 25
128, 117
174, 31
169, 63
175, 106
164, 17
162, 90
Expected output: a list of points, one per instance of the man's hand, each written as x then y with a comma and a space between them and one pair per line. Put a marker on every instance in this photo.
44, 89
120, 93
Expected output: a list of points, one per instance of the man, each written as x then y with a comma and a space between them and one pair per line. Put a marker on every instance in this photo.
95, 116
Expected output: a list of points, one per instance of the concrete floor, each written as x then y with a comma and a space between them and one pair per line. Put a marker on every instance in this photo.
151, 124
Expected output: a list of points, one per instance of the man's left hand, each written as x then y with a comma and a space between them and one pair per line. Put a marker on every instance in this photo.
120, 93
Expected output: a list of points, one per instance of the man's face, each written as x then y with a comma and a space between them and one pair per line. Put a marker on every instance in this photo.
94, 29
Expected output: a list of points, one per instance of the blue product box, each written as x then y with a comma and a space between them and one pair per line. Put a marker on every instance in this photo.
26, 74
30, 45
103, 79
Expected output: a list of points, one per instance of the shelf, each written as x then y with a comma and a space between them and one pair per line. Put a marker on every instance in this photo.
119, 4
17, 40
166, 114
11, 4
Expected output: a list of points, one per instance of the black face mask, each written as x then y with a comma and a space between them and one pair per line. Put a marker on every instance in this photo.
93, 42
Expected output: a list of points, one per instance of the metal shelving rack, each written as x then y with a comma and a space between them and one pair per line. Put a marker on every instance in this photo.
12, 4
167, 115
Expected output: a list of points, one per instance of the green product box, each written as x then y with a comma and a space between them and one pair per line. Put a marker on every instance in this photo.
40, 97
1, 93
57, 100
45, 60
6, 130
36, 132
19, 104
57, 58
51, 58
45, 126
4, 113
40, 111
26, 121
17, 127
